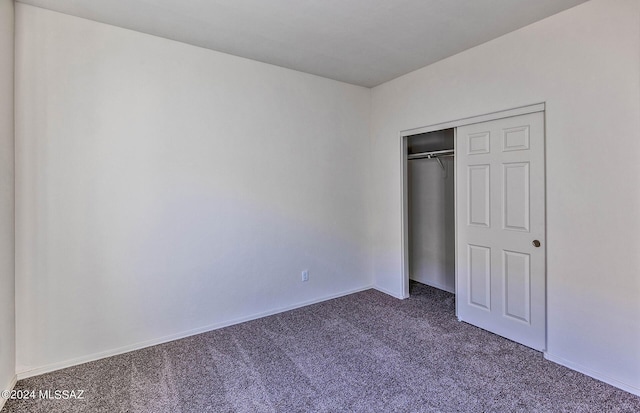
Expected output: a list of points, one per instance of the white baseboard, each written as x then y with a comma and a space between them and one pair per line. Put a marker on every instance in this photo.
25, 372
436, 285
591, 373
385, 291
10, 387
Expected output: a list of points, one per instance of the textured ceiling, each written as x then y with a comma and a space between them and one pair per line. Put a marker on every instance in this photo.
364, 42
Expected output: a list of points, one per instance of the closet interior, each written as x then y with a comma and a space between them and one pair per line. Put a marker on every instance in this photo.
431, 208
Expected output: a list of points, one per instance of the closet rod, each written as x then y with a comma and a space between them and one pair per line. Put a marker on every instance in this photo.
432, 154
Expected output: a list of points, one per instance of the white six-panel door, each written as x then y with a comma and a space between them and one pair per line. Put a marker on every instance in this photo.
500, 199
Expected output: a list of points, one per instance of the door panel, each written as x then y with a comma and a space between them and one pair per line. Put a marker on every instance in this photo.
478, 143
516, 139
500, 212
480, 276
479, 195
517, 285
516, 196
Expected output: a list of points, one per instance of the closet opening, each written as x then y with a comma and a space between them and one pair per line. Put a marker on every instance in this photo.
430, 209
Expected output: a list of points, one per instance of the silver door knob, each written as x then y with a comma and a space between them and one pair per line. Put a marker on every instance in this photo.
536, 243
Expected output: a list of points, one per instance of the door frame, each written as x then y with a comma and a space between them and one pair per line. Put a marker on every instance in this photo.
404, 187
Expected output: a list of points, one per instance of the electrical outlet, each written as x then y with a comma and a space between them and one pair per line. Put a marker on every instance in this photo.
305, 275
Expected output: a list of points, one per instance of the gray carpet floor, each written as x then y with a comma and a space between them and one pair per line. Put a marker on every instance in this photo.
366, 352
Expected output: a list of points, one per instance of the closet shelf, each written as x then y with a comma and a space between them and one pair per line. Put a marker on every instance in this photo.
432, 154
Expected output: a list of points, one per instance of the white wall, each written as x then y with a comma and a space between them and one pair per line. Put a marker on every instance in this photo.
163, 188
7, 314
585, 64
